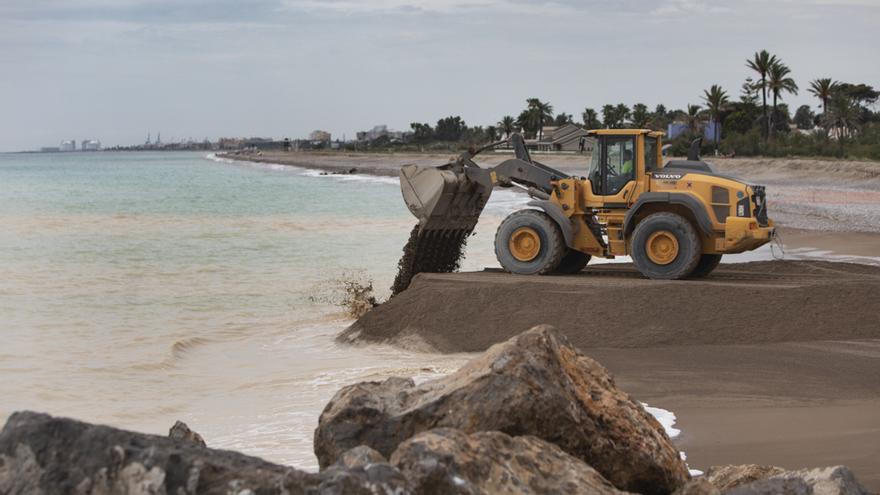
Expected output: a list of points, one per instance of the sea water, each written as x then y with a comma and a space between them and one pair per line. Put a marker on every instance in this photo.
137, 289
141, 288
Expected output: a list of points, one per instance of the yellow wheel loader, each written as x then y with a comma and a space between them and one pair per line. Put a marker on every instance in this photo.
675, 220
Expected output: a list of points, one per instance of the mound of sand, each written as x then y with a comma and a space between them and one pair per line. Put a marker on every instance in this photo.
613, 306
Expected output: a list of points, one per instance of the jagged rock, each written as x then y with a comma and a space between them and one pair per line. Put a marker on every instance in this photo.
698, 486
360, 456
835, 480
449, 461
42, 454
728, 477
181, 431
534, 384
372, 466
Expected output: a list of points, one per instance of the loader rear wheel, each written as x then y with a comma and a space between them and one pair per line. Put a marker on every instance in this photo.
528, 242
573, 262
665, 246
707, 263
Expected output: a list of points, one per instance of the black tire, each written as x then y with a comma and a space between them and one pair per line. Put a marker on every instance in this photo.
551, 250
689, 247
707, 263
573, 262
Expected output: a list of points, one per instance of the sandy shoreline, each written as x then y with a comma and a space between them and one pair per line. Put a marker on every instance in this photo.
758, 366
805, 194
788, 404
802, 398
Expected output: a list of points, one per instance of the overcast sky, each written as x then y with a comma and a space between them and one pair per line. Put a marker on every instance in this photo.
115, 70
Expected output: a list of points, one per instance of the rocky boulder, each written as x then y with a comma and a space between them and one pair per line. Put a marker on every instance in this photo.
181, 431
534, 384
836, 480
449, 461
728, 477
42, 454
359, 457
698, 486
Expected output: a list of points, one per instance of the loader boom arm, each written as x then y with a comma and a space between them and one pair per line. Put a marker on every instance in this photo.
452, 196
521, 170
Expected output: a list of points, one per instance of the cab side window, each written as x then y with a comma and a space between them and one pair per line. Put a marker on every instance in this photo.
650, 153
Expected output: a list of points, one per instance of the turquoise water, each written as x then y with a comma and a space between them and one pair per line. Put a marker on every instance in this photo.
141, 288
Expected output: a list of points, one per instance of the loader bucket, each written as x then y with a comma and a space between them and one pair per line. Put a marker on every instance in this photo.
443, 198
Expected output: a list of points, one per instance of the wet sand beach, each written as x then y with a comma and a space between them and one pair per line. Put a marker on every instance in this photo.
758, 367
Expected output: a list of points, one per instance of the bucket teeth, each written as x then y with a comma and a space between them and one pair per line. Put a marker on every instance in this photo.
448, 202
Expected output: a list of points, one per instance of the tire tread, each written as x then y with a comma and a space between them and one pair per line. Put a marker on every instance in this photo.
556, 245
677, 271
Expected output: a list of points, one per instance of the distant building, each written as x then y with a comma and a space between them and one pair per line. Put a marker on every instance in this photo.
568, 137
381, 131
68, 145
230, 143
258, 143
676, 129
50, 149
320, 136
90, 145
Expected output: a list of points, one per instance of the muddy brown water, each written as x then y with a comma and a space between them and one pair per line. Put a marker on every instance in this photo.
614, 306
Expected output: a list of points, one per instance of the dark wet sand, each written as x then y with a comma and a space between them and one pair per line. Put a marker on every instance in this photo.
808, 398
791, 404
843, 243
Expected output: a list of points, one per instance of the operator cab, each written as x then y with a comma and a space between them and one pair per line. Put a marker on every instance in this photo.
619, 155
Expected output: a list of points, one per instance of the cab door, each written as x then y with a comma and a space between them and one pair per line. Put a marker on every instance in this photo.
616, 173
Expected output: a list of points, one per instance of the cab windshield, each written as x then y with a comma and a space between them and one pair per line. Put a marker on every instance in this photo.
595, 158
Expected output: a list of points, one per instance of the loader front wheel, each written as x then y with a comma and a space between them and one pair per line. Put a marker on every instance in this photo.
528, 242
665, 246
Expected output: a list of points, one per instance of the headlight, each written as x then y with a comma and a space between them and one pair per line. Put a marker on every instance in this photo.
743, 204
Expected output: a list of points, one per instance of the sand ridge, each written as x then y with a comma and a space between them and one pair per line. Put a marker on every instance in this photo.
614, 306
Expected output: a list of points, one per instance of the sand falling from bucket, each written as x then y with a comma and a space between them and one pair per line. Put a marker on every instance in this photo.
433, 251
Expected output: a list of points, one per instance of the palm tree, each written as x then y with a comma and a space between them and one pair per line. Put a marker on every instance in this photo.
563, 119
640, 116
507, 124
540, 112
843, 114
823, 89
591, 119
693, 118
761, 64
623, 114
716, 102
779, 82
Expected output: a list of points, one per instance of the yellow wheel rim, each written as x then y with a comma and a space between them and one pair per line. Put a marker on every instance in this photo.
662, 247
524, 244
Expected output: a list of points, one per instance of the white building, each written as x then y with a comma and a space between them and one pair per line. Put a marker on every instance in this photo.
68, 145
90, 145
380, 131
322, 136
